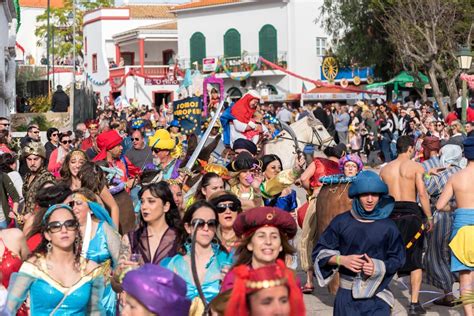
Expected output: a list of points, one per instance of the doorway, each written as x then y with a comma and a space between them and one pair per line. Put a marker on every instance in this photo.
162, 97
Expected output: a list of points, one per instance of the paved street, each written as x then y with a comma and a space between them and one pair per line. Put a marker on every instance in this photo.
320, 303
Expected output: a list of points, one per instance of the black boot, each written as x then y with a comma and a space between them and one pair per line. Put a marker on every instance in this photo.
416, 309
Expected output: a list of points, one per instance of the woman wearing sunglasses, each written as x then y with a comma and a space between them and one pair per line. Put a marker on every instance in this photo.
101, 241
228, 207
73, 284
59, 154
211, 257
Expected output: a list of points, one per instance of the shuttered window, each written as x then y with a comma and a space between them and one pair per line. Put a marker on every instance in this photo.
197, 45
232, 43
268, 48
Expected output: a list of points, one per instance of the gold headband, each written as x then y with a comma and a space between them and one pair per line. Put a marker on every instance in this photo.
258, 285
78, 153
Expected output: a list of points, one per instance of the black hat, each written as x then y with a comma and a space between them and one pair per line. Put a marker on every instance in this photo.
244, 161
245, 144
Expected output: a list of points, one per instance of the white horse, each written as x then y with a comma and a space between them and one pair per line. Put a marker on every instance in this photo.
309, 131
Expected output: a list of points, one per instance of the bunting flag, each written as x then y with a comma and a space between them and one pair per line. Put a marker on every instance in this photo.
303, 88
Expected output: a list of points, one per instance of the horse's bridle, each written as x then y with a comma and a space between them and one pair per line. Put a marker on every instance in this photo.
322, 144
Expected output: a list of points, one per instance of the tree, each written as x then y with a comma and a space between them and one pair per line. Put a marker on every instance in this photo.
62, 28
358, 39
426, 34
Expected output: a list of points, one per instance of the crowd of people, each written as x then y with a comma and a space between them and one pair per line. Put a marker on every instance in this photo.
116, 218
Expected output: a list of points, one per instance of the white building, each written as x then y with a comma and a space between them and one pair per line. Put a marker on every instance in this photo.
7, 57
282, 31
127, 52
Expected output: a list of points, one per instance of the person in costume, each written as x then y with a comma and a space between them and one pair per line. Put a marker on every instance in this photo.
437, 263
100, 242
264, 234
365, 247
159, 230
90, 142
162, 145
69, 171
307, 213
246, 178
175, 132
110, 150
211, 256
459, 186
74, 284
269, 290
34, 154
228, 207
58, 155
153, 290
237, 118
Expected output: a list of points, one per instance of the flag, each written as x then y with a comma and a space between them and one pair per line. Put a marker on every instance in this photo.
303, 88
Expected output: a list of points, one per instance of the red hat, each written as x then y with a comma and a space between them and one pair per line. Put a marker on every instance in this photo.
248, 280
249, 221
107, 141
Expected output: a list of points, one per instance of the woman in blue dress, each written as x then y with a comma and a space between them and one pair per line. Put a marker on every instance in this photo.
101, 241
56, 278
211, 257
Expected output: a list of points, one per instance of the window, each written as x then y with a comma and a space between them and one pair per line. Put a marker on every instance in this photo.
94, 62
320, 46
232, 43
267, 43
197, 46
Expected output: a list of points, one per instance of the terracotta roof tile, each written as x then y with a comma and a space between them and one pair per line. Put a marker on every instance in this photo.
41, 3
161, 26
203, 3
150, 11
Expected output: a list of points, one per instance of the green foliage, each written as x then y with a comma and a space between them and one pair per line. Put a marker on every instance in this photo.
63, 30
40, 104
40, 120
358, 38
25, 74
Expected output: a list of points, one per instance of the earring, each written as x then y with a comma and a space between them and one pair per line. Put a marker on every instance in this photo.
49, 246
215, 240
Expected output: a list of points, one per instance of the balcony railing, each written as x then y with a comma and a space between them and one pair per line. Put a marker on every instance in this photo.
238, 64
150, 71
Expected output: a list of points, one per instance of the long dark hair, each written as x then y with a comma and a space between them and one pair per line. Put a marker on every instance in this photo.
42, 248
205, 181
46, 197
244, 256
188, 217
92, 177
268, 159
6, 160
65, 172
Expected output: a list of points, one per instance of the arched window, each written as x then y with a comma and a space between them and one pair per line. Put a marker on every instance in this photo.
272, 89
234, 93
197, 46
232, 43
267, 43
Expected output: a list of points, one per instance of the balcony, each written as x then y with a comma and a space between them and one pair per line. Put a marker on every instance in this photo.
148, 71
238, 66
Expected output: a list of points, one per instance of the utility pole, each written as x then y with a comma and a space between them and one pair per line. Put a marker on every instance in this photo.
72, 16
47, 48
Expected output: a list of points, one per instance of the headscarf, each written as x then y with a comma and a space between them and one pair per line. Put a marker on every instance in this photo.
353, 158
451, 155
370, 182
430, 143
248, 281
158, 289
106, 141
241, 109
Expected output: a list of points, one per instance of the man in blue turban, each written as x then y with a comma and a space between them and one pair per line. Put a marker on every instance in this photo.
365, 247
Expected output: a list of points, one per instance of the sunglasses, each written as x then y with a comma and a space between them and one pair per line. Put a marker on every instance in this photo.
157, 150
5, 124
36, 132
200, 223
64, 142
54, 134
70, 225
221, 208
136, 139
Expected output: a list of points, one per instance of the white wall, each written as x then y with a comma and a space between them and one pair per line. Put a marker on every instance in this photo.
153, 51
26, 35
135, 88
247, 19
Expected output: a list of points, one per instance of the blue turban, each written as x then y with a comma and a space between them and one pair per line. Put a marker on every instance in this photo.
370, 182
469, 148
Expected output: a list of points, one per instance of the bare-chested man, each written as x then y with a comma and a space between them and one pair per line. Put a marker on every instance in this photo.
404, 178
460, 186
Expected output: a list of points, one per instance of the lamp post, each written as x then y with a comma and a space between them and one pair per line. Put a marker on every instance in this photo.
72, 20
464, 57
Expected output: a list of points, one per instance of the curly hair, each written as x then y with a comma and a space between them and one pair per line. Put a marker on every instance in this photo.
92, 177
65, 172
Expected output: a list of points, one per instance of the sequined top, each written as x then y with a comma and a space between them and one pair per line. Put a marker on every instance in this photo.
10, 263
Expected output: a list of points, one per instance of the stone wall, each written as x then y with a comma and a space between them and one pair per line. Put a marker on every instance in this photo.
61, 121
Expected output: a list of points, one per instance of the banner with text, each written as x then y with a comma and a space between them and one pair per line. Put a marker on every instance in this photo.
188, 113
